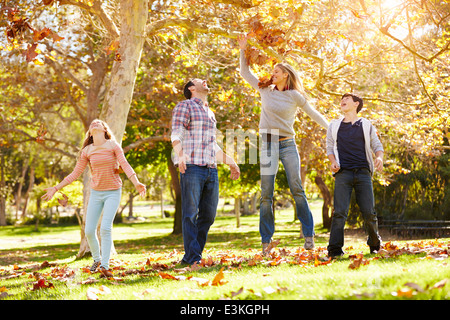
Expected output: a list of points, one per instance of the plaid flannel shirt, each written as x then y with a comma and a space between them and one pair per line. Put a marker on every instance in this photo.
195, 126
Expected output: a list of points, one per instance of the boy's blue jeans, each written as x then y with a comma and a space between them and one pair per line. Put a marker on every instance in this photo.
271, 153
359, 180
199, 197
108, 202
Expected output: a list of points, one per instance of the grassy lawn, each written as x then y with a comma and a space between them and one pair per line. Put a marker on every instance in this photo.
146, 266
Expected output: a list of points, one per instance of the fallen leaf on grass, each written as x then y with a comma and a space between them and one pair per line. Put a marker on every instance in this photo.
93, 293
164, 275
414, 286
42, 284
358, 261
440, 284
269, 290
404, 293
218, 279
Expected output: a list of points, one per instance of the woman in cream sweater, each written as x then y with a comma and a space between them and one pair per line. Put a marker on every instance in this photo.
280, 100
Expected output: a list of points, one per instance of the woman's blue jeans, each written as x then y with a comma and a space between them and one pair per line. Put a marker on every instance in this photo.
199, 197
271, 153
346, 181
108, 202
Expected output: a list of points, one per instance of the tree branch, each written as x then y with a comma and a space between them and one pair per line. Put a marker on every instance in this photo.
97, 10
145, 140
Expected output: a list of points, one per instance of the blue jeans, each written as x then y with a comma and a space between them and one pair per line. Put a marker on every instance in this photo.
359, 180
271, 153
108, 202
199, 199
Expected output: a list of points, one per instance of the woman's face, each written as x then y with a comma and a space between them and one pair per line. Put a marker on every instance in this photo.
278, 76
96, 125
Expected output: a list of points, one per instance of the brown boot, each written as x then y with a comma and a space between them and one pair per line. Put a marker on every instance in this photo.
106, 272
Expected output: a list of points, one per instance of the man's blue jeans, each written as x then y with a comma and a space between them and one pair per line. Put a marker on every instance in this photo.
359, 180
199, 197
271, 153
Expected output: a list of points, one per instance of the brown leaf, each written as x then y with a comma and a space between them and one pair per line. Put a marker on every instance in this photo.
234, 294
414, 286
56, 37
41, 284
42, 34
64, 201
440, 284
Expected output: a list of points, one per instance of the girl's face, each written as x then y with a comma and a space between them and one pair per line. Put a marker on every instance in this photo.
96, 125
278, 76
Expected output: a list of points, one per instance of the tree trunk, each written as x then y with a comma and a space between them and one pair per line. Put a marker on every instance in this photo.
237, 211
130, 205
177, 227
27, 194
133, 19
327, 201
133, 16
19, 190
84, 246
2, 191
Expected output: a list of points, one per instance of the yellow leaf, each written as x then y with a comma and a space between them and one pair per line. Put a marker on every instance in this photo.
218, 278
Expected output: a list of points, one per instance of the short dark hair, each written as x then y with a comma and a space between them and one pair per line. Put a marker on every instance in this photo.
187, 93
355, 98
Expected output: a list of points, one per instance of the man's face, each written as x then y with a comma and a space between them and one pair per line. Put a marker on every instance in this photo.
347, 104
200, 86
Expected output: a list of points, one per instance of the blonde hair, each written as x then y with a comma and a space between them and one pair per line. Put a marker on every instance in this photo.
293, 81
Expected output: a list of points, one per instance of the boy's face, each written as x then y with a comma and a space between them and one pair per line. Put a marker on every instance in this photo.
347, 104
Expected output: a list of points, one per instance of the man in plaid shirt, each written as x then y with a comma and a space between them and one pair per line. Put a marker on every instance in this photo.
196, 154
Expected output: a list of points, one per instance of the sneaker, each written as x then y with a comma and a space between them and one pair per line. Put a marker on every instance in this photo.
265, 248
106, 272
334, 255
309, 243
374, 249
94, 266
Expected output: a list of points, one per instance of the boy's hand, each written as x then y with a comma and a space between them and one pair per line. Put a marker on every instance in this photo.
335, 167
378, 163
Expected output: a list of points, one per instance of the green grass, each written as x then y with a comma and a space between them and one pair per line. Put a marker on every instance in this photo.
405, 276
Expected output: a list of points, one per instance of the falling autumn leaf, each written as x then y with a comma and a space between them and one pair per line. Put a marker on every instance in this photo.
30, 53
64, 201
40, 134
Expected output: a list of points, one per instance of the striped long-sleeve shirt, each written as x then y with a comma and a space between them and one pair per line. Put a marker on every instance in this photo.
103, 162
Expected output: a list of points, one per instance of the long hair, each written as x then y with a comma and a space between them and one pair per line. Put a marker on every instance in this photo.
293, 81
89, 139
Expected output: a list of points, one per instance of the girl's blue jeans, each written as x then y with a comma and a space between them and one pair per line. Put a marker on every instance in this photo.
271, 153
108, 202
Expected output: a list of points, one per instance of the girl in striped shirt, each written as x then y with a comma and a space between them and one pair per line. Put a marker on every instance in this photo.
102, 154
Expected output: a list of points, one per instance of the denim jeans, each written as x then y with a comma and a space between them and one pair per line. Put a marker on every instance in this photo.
271, 153
108, 202
345, 181
199, 197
